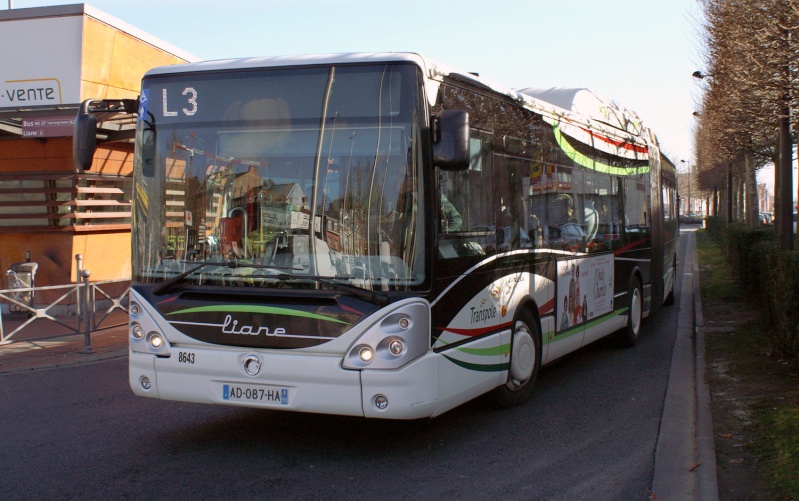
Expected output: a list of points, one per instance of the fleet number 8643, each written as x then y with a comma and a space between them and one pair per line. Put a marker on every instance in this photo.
185, 358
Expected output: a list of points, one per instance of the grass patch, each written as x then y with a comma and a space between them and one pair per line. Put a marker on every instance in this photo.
717, 281
781, 445
754, 394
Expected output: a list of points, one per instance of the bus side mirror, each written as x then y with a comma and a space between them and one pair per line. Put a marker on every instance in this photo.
84, 137
148, 153
451, 140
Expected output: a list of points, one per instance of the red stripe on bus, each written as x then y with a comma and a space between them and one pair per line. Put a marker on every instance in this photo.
547, 307
619, 144
475, 332
628, 247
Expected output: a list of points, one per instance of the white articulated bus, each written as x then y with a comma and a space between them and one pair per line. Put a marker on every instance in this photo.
380, 235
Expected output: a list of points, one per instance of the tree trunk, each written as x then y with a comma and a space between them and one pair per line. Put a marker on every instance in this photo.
752, 209
729, 197
785, 209
740, 215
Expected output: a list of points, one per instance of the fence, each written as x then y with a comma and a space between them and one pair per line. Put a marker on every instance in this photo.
90, 311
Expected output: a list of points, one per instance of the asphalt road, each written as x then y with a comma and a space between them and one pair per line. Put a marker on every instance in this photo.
588, 433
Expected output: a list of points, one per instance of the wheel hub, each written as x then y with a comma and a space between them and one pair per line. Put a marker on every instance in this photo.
522, 360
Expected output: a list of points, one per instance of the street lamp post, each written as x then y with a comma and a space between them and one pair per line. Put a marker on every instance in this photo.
702, 76
690, 203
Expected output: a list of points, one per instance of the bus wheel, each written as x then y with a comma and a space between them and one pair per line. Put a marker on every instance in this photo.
628, 336
525, 360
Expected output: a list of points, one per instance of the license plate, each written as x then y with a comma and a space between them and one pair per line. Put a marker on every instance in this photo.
255, 393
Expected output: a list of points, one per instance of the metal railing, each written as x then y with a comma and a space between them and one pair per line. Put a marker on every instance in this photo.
90, 311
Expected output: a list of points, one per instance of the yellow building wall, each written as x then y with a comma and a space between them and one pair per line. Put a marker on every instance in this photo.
106, 255
52, 251
114, 62
52, 154
117, 161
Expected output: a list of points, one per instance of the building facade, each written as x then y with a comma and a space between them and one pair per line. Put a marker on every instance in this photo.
54, 58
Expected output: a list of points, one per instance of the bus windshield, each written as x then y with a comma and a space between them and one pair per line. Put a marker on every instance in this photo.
293, 177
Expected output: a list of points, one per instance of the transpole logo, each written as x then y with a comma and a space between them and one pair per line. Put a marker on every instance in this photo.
483, 315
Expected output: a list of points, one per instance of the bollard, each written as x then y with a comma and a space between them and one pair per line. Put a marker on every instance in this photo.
86, 308
79, 268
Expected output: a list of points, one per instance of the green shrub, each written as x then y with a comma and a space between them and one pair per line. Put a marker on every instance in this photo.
783, 293
768, 276
746, 256
715, 228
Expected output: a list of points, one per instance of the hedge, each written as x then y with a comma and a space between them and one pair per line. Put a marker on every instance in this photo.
768, 276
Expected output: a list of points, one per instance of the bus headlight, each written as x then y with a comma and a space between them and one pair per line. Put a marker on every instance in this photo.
366, 354
396, 347
400, 335
155, 340
137, 331
145, 335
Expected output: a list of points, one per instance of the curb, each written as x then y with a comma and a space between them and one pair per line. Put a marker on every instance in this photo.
685, 455
707, 481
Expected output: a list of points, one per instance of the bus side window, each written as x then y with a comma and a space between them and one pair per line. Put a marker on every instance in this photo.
465, 205
513, 220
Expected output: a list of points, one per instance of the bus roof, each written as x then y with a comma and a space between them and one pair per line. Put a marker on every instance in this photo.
291, 60
588, 103
575, 105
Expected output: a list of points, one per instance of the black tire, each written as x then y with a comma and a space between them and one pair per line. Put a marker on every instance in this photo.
628, 335
525, 362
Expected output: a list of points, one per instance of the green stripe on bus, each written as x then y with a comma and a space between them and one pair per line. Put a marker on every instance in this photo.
486, 352
479, 367
591, 163
572, 331
614, 313
267, 310
579, 328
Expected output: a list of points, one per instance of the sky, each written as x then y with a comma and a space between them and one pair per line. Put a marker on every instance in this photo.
640, 53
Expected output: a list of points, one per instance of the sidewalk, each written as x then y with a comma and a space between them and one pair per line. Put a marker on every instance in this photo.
42, 345
685, 455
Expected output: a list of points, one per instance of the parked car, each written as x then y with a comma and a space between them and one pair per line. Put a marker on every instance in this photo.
774, 221
690, 219
608, 236
567, 236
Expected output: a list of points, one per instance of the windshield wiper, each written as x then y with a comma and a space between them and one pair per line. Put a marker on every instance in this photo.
373, 297
166, 285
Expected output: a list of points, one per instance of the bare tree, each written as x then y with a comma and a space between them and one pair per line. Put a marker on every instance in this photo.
751, 57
